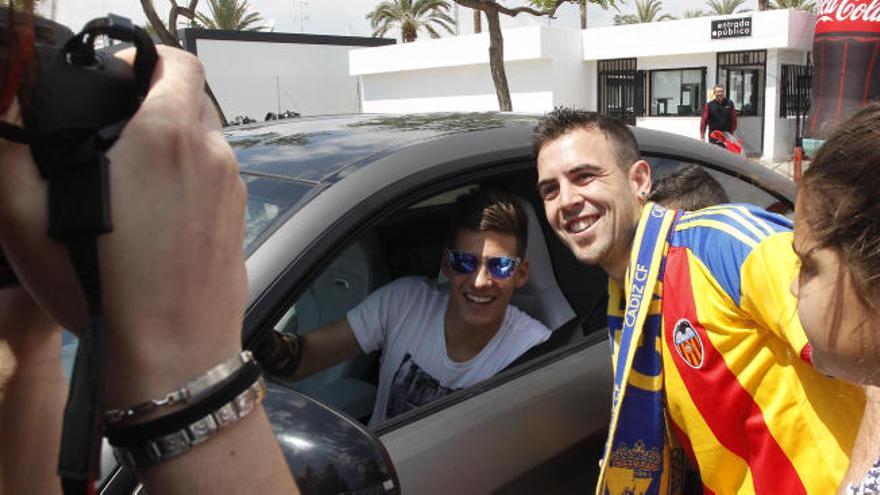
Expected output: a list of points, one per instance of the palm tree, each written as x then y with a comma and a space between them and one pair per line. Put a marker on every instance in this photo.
410, 16
725, 7
582, 5
806, 5
646, 11
231, 15
690, 14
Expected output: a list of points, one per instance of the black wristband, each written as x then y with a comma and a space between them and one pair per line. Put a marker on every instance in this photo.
127, 436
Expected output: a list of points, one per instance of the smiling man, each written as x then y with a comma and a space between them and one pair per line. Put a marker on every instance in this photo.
435, 338
710, 360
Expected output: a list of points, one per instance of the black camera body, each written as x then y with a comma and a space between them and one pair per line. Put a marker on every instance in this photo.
78, 89
74, 107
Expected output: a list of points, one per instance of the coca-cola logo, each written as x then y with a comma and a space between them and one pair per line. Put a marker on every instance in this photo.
848, 15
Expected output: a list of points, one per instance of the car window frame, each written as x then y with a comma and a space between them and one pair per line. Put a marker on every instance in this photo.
414, 196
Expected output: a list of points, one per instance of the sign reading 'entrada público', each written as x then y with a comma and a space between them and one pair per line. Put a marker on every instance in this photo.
740, 27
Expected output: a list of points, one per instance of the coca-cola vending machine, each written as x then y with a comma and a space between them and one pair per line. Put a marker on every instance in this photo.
845, 67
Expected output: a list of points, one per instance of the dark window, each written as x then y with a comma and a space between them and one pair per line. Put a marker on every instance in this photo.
753, 57
621, 89
677, 92
795, 91
744, 88
742, 75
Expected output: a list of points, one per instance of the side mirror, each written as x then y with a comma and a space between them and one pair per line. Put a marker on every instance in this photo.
327, 452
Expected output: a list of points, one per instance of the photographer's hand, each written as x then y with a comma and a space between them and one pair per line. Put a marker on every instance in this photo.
174, 276
172, 270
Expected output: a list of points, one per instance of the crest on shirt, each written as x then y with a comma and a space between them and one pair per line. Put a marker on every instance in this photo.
688, 344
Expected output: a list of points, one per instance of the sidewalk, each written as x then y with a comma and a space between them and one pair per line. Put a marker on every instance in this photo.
785, 168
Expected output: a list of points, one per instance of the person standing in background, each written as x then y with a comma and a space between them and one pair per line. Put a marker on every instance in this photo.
719, 114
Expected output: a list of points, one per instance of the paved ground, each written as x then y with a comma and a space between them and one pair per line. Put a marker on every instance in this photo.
784, 168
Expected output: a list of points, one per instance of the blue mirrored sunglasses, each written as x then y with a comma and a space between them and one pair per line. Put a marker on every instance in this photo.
499, 267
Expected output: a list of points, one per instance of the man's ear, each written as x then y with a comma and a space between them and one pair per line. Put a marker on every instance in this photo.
639, 177
522, 274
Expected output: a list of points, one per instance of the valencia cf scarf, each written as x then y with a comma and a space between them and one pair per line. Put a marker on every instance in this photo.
637, 453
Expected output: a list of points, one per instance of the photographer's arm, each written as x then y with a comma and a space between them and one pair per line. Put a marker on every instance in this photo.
175, 263
32, 395
172, 272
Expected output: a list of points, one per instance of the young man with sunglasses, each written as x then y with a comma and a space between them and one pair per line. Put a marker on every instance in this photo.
435, 338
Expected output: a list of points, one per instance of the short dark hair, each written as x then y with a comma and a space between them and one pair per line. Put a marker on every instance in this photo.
563, 120
688, 188
489, 209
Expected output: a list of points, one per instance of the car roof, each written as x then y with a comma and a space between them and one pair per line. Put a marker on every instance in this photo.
319, 149
325, 149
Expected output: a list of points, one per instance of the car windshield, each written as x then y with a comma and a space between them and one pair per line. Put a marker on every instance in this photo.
271, 200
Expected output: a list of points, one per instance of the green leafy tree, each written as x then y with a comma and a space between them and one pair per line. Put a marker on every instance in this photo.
646, 11
492, 10
230, 15
582, 5
806, 5
725, 7
411, 16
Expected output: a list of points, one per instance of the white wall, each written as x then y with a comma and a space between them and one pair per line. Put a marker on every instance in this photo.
591, 67
770, 29
683, 126
252, 78
544, 69
464, 88
779, 133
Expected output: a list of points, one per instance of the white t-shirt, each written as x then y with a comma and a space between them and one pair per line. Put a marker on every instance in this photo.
405, 320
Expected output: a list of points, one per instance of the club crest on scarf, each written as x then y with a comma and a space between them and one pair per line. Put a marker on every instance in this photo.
632, 469
688, 344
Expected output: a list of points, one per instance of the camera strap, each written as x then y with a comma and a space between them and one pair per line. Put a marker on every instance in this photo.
70, 152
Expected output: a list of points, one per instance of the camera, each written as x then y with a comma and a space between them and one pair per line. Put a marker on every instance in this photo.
75, 101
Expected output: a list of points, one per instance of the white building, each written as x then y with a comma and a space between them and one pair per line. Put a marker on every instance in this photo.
655, 75
254, 73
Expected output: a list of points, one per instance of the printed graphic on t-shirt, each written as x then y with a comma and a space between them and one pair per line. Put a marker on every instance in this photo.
412, 387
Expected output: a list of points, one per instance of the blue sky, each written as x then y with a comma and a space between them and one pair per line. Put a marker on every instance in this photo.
339, 17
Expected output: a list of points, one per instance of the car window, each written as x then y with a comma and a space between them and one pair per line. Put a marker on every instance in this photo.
270, 201
382, 253
738, 189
